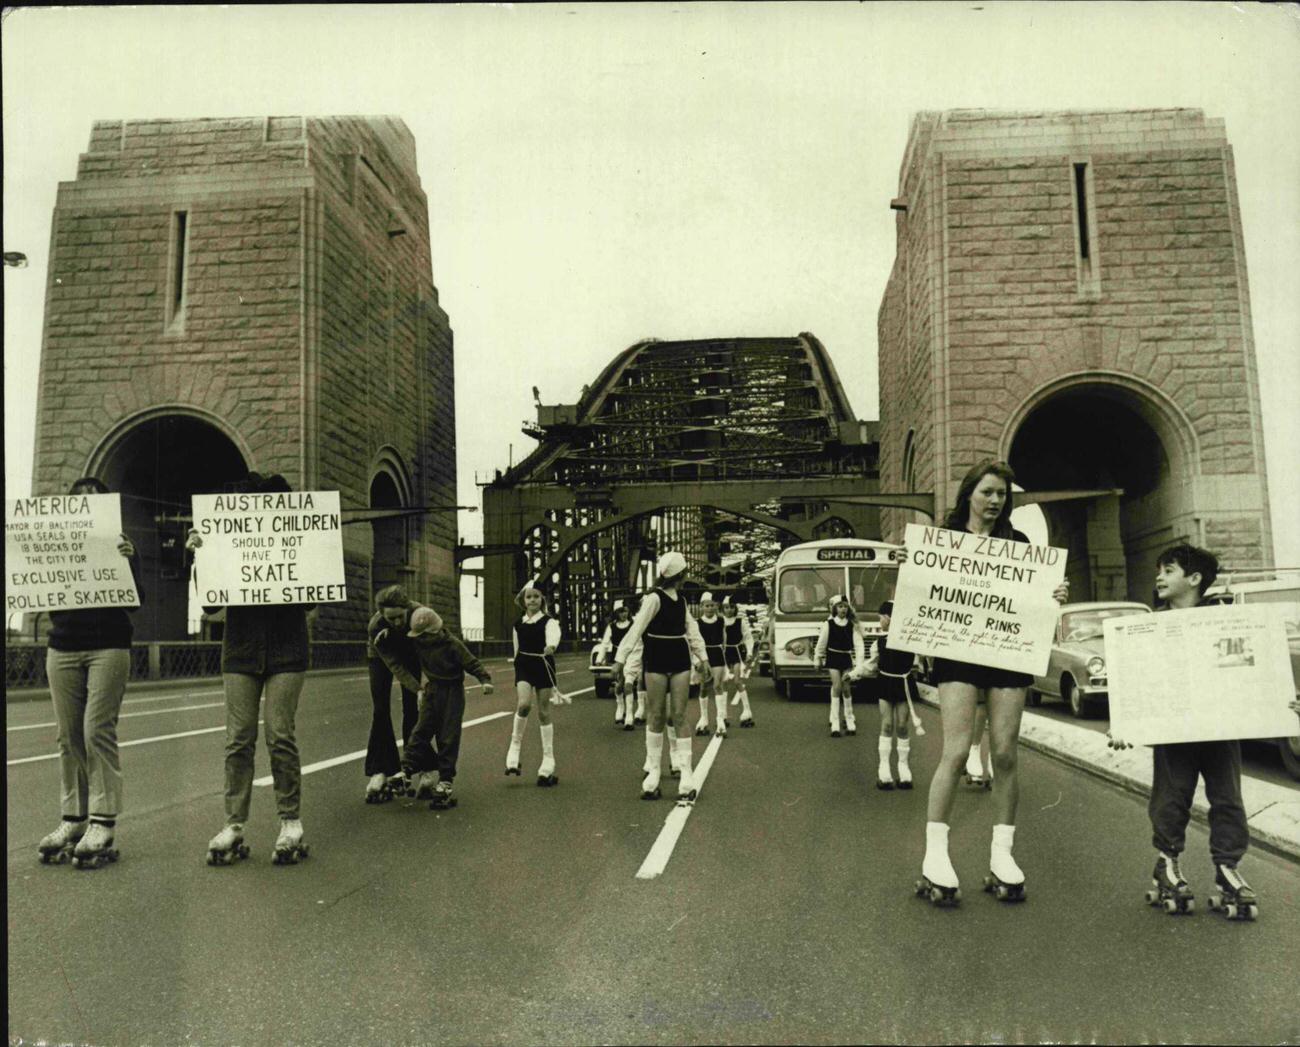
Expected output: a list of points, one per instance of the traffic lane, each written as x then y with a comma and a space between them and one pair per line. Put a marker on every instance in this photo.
1259, 757
386, 883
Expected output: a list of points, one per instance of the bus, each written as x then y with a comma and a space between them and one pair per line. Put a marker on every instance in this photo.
804, 579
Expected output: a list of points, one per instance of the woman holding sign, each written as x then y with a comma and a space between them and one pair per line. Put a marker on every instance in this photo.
264, 653
983, 507
87, 661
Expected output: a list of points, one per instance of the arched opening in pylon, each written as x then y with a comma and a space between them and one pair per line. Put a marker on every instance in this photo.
391, 550
1102, 436
156, 463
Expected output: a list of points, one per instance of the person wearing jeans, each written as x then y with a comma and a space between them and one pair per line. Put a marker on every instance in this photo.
264, 654
387, 630
87, 662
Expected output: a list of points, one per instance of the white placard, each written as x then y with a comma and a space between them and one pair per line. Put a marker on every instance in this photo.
61, 554
986, 601
1199, 675
276, 548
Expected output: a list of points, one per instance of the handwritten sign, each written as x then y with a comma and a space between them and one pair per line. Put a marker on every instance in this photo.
61, 554
986, 601
269, 548
1199, 675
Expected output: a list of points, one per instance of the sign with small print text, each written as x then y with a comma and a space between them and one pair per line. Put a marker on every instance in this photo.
278, 548
61, 554
977, 599
1200, 674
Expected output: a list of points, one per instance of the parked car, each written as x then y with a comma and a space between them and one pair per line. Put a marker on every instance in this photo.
1282, 587
1076, 671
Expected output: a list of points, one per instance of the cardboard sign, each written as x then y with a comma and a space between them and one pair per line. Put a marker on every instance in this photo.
986, 601
269, 548
61, 554
1199, 675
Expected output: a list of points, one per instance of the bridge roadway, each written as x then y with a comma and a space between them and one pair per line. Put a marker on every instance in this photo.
783, 914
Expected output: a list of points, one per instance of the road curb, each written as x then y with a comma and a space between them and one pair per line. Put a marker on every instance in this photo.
1274, 827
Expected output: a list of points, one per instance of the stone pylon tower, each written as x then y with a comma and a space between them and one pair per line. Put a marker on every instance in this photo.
1070, 294
237, 294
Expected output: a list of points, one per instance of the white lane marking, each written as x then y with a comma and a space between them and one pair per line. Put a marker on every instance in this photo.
127, 745
657, 860
123, 716
334, 761
173, 697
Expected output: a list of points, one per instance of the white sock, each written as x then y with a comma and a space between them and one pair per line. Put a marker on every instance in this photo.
654, 749
904, 750
517, 729
720, 702
973, 766
1003, 837
883, 745
548, 740
744, 703
684, 763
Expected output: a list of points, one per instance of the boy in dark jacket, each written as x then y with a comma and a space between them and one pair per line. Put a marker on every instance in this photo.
444, 661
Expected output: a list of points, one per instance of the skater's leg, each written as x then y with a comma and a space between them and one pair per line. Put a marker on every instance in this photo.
410, 713
720, 696
1173, 784
523, 706
904, 744
381, 748
280, 713
417, 754
678, 688
1005, 706
835, 702
656, 703
957, 712
243, 695
449, 711
1221, 769
105, 688
67, 675
546, 770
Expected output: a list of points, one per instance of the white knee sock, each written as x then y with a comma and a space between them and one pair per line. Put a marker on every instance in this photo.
720, 702
904, 750
548, 740
654, 749
517, 729
883, 745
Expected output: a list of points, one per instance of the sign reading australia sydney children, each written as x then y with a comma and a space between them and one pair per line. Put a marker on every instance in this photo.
269, 548
61, 554
973, 598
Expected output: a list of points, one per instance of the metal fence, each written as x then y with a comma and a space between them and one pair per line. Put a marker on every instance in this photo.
173, 660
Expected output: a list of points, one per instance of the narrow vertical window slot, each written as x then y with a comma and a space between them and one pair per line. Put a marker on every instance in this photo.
1085, 229
177, 297
1081, 200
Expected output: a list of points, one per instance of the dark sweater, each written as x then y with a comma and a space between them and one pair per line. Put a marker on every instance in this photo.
443, 659
260, 641
394, 643
96, 629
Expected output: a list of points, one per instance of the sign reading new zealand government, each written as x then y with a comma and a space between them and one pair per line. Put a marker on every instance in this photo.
976, 599
61, 554
1201, 674
269, 548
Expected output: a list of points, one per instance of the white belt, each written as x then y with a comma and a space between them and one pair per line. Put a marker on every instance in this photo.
657, 636
531, 654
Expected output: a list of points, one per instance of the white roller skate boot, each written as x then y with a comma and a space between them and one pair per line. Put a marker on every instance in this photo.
443, 798
670, 736
1233, 896
56, 847
228, 845
546, 772
95, 848
422, 785
618, 712
1169, 889
938, 883
654, 754
639, 716
1005, 880
516, 744
289, 847
702, 724
884, 780
377, 788
686, 790
850, 722
975, 769
835, 715
398, 785
746, 714
720, 705
904, 768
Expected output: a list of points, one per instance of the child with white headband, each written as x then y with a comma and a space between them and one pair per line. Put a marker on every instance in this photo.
737, 637
536, 636
713, 633
840, 650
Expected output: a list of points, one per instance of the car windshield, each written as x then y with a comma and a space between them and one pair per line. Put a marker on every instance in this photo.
1290, 598
1086, 625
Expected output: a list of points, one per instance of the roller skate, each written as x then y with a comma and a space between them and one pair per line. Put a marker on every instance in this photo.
95, 848
618, 713
398, 785
884, 780
904, 768
377, 790
686, 790
702, 726
512, 758
1005, 881
835, 721
227, 846
721, 729
629, 721
1234, 896
1169, 890
422, 785
650, 784
850, 722
442, 797
746, 714
546, 772
674, 762
56, 848
974, 775
289, 847
938, 883
638, 717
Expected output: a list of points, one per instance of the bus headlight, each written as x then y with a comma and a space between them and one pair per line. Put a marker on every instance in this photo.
800, 647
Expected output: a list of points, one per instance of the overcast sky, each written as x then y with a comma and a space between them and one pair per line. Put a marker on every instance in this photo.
599, 174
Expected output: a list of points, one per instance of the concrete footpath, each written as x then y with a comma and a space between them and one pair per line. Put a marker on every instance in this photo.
1272, 811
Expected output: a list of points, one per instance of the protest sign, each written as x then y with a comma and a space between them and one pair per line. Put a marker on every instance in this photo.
61, 554
269, 548
972, 598
1199, 675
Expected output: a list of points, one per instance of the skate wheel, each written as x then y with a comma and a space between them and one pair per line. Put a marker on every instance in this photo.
1189, 906
1001, 893
1152, 897
1252, 912
1214, 901
884, 786
1230, 911
1170, 906
653, 795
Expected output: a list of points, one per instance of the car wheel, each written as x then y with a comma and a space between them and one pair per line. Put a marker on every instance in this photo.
1289, 750
782, 688
1078, 704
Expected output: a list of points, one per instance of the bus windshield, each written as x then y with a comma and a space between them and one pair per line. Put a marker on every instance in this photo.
804, 590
